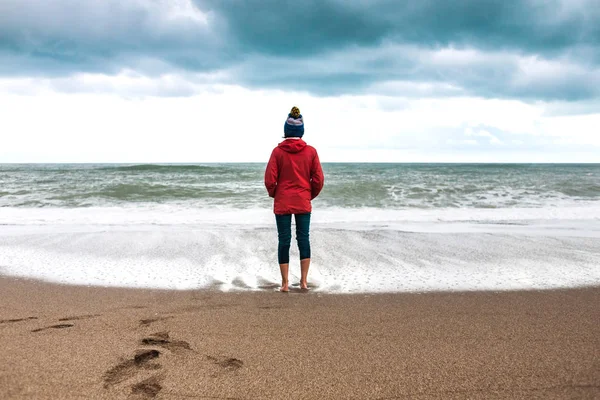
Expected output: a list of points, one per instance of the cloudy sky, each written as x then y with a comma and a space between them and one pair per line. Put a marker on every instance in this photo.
376, 80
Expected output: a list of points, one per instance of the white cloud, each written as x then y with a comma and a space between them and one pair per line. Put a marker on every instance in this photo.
229, 123
482, 133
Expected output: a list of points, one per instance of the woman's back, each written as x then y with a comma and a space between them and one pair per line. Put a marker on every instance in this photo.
293, 177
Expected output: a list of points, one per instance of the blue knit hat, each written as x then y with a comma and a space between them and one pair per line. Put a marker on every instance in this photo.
294, 124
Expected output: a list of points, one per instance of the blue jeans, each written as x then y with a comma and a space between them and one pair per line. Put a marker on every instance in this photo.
284, 230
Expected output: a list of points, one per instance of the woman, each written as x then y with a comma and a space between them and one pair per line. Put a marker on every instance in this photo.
293, 177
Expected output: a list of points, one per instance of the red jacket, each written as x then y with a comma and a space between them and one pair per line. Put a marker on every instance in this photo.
293, 177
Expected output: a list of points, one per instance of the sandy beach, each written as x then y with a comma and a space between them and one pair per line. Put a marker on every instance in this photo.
67, 342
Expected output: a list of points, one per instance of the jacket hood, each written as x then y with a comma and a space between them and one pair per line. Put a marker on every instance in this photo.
292, 145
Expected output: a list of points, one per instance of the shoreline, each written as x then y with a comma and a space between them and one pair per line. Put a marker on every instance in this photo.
72, 342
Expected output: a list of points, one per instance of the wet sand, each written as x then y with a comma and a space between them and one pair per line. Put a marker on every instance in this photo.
68, 342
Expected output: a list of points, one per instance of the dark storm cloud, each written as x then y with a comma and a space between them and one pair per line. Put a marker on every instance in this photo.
57, 37
532, 49
311, 26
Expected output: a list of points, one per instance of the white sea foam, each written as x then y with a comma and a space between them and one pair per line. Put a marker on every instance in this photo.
344, 261
174, 214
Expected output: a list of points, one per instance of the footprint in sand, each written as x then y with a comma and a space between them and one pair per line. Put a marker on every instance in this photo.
228, 364
144, 360
79, 317
128, 368
10, 321
59, 326
162, 339
146, 389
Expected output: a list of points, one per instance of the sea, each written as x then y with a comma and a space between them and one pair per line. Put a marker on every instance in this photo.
375, 227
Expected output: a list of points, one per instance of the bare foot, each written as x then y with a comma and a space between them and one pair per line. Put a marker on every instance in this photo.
303, 285
284, 288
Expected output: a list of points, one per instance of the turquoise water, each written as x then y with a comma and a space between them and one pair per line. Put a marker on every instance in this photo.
383, 186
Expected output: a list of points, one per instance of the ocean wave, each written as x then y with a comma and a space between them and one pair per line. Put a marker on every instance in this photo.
185, 215
162, 168
394, 187
343, 261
